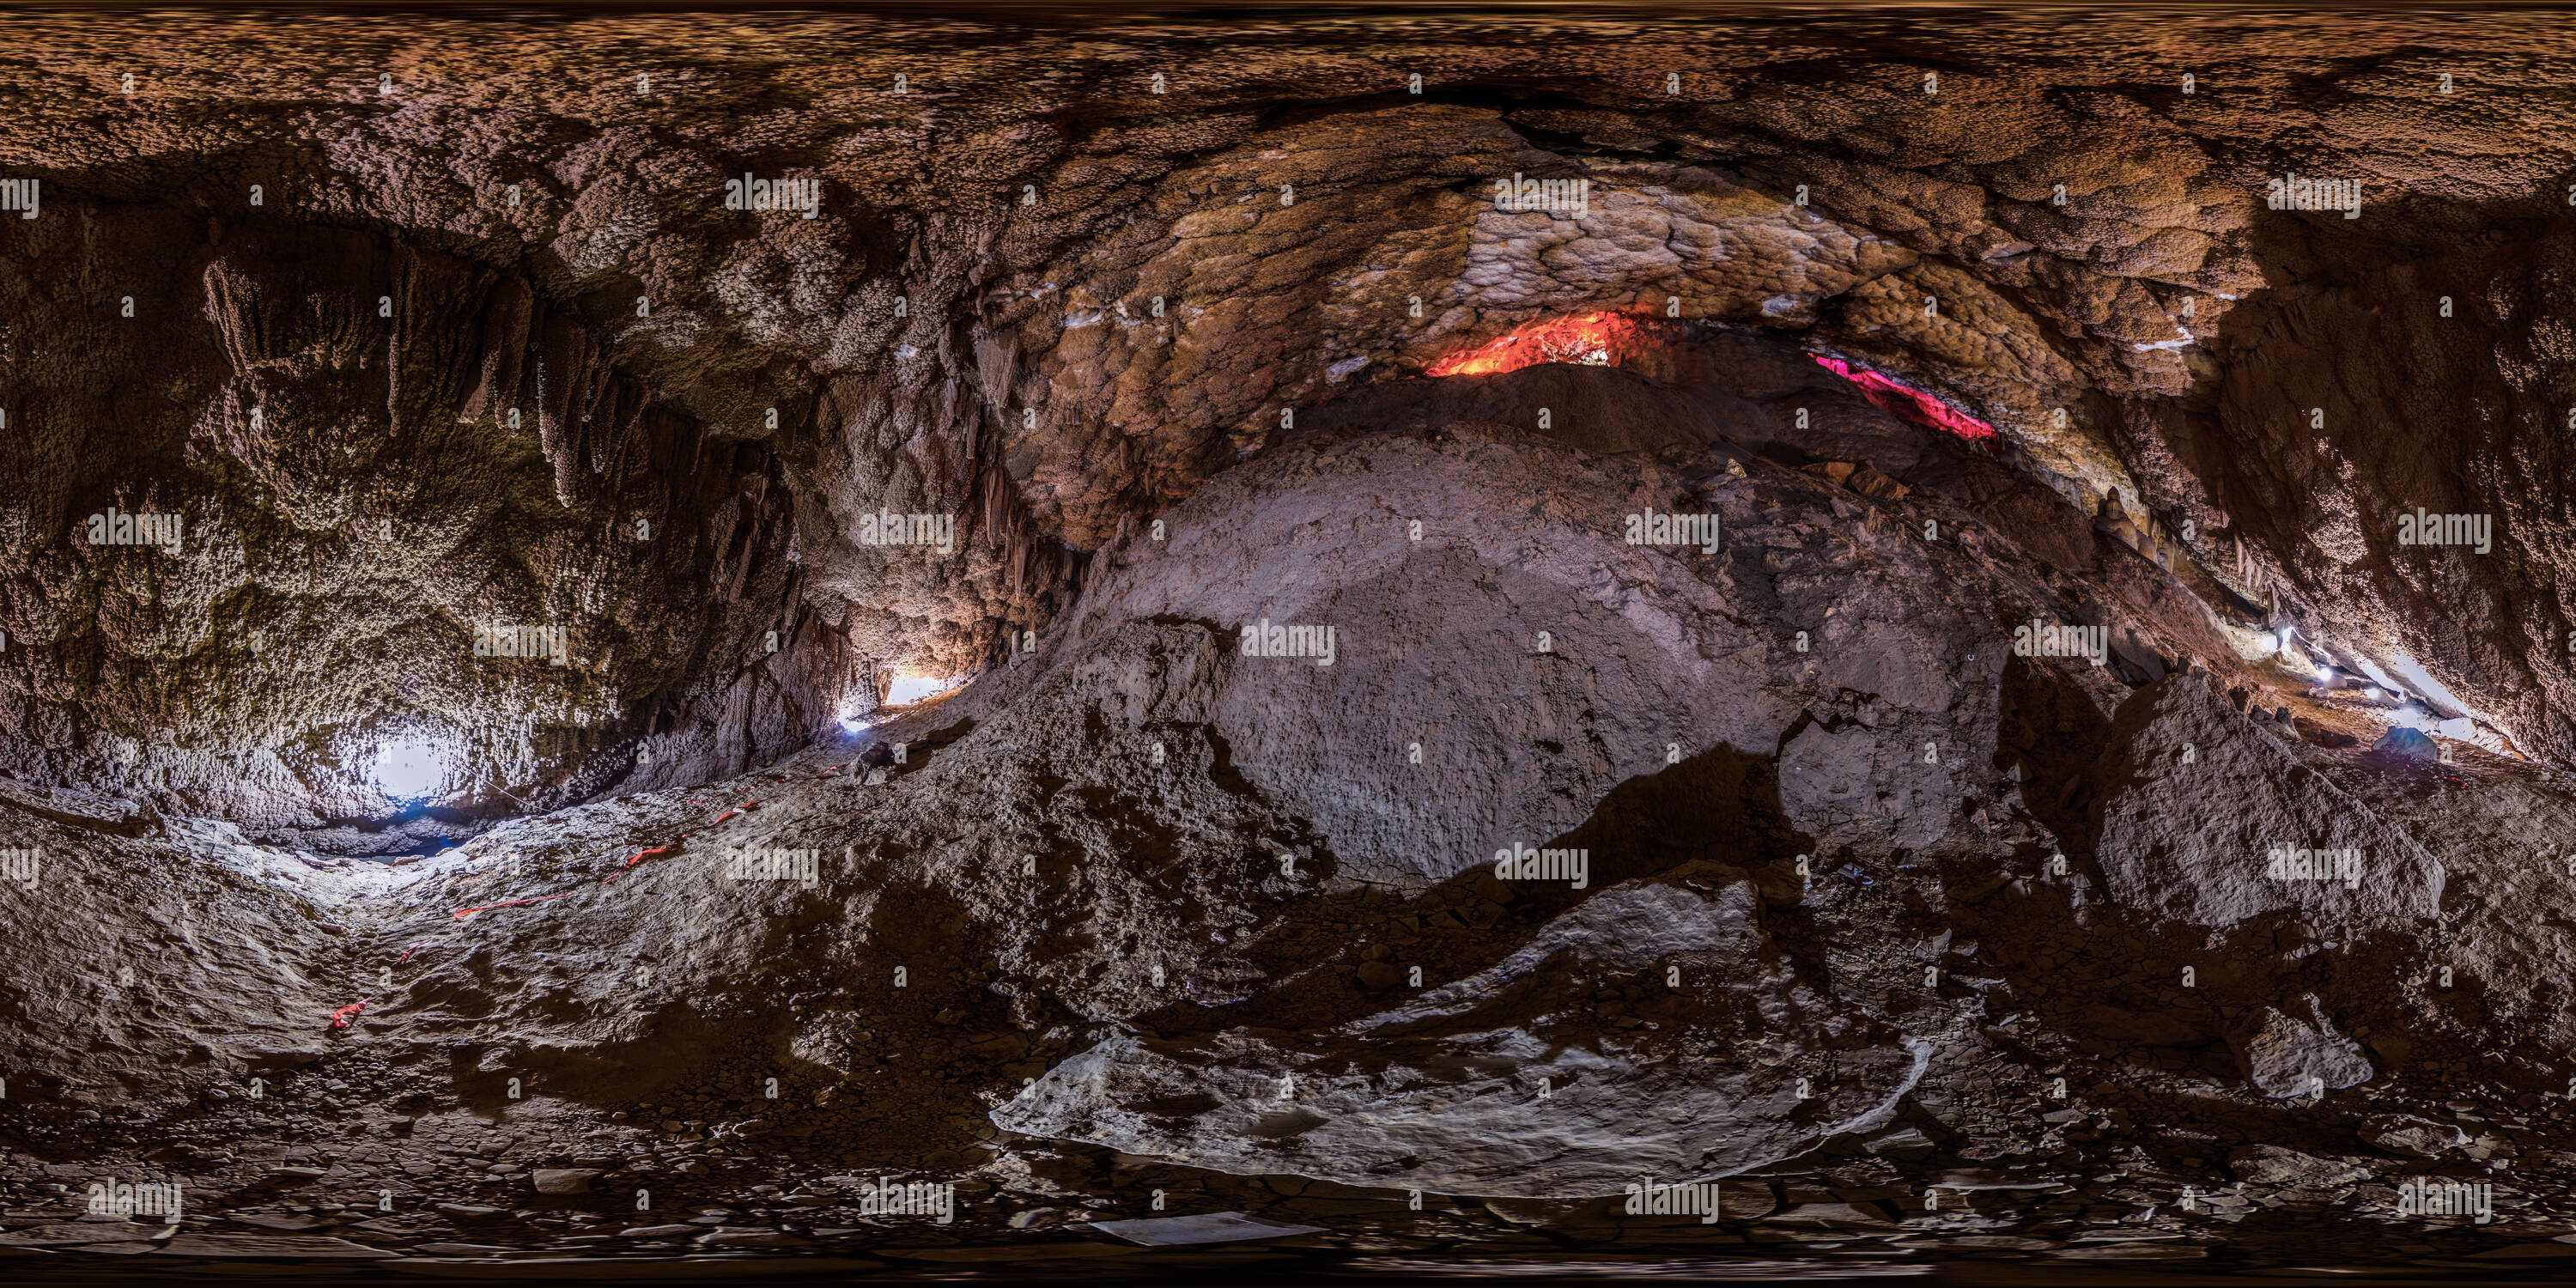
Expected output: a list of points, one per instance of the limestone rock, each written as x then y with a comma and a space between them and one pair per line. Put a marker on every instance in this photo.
565, 1180
2271, 1165
1536, 1118
2195, 840
2287, 1055
2414, 1137
2403, 743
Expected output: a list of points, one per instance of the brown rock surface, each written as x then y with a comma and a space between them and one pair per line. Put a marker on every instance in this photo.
425, 323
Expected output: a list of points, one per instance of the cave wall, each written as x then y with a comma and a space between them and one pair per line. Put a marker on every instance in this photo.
373, 451
966, 326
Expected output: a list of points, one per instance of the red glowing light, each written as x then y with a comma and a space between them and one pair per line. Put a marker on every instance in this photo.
1588, 339
1908, 404
1623, 340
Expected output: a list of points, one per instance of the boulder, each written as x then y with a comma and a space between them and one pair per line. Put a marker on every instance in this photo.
565, 1180
2414, 1137
1909, 1142
2285, 1055
2274, 1165
2403, 743
2202, 820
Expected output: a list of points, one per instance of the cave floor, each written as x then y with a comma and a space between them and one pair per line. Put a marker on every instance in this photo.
349, 1156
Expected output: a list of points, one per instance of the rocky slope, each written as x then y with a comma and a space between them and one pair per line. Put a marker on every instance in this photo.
1142, 891
1976, 829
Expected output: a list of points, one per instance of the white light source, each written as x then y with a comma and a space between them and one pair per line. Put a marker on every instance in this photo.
410, 768
909, 688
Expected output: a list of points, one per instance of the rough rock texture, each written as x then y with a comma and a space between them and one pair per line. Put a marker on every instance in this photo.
375, 453
1460, 1097
137, 965
2287, 1055
1044, 333
1911, 931
2200, 816
1157, 844
1184, 847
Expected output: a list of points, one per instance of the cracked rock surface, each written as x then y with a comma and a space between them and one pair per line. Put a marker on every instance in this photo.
1023, 691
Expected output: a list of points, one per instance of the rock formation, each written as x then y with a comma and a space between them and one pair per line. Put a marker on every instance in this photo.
905, 640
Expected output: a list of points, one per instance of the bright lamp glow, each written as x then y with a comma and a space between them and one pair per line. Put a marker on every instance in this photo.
909, 688
906, 690
410, 768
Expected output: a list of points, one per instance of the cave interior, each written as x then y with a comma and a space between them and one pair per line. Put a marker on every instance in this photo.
1097, 644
